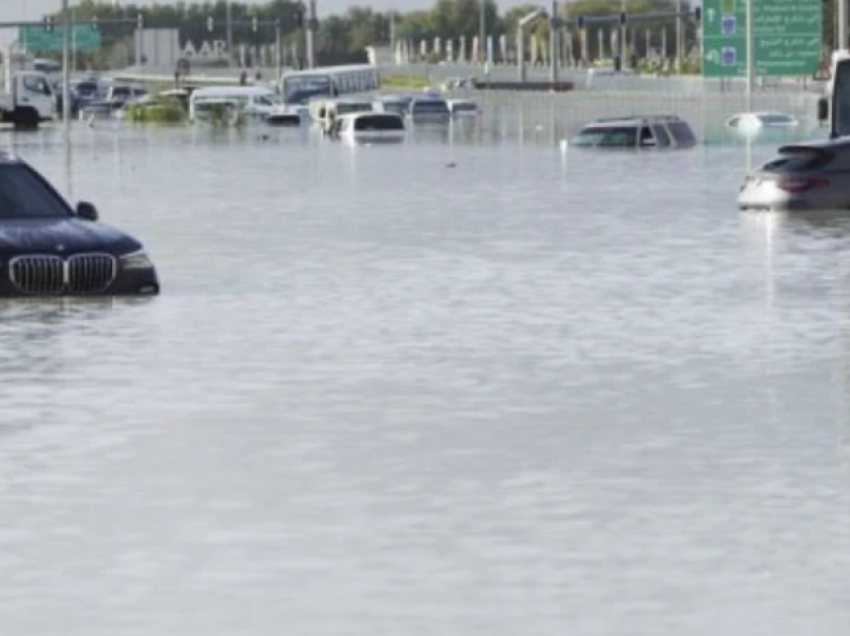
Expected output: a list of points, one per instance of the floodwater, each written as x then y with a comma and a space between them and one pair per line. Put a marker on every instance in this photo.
448, 388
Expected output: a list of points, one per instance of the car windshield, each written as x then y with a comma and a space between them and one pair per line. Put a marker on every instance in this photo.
427, 107
266, 100
395, 107
782, 120
343, 108
23, 195
615, 137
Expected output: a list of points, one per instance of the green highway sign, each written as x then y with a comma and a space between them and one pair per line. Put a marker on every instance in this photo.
786, 37
36, 38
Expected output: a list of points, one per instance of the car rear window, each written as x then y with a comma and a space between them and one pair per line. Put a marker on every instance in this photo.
661, 135
378, 122
682, 133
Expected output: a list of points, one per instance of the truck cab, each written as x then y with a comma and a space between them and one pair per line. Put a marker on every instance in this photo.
29, 99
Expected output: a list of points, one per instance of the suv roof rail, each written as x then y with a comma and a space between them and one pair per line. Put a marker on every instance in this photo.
638, 118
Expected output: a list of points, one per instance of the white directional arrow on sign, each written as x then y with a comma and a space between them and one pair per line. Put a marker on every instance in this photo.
712, 56
710, 13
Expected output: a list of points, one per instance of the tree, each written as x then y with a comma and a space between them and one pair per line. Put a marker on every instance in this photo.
344, 37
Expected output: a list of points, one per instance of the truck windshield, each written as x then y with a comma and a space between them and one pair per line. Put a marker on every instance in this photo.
24, 195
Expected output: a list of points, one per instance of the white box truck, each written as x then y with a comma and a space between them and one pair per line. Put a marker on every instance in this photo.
28, 100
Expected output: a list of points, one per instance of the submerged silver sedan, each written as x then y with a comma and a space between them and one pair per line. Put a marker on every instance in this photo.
811, 176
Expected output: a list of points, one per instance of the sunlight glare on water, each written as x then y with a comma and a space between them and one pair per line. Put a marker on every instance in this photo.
442, 388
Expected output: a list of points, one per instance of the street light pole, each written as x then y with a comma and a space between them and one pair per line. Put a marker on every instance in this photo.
842, 25
520, 39
622, 48
229, 23
66, 75
482, 33
751, 63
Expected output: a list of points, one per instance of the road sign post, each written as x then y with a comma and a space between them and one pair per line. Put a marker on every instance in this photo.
786, 37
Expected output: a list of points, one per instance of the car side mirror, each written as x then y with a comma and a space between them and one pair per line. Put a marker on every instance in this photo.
823, 109
86, 211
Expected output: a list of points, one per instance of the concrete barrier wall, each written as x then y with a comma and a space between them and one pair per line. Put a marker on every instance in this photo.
438, 73
584, 80
560, 115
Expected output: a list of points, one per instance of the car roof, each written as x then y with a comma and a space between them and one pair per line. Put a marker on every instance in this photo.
764, 113
839, 143
636, 120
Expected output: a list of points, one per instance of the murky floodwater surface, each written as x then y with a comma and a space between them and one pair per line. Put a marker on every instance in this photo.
446, 388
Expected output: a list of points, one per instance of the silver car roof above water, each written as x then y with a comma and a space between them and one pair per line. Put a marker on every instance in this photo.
637, 120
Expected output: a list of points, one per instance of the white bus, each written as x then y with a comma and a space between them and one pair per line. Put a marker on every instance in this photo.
298, 87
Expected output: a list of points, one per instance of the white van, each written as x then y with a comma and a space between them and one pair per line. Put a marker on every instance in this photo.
254, 102
369, 128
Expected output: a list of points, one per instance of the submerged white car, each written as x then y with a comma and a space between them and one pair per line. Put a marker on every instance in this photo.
369, 128
661, 131
755, 121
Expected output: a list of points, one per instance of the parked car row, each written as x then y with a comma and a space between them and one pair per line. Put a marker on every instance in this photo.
417, 107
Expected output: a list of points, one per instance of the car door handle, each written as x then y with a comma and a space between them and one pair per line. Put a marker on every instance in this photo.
25, 100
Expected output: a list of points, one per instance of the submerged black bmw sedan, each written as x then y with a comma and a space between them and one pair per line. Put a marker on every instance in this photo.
49, 249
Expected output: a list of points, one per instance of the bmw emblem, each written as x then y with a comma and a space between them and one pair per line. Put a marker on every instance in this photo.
60, 248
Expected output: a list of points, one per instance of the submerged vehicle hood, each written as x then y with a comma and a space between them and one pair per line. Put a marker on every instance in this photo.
62, 236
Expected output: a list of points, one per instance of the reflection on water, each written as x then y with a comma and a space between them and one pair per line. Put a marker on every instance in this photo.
453, 386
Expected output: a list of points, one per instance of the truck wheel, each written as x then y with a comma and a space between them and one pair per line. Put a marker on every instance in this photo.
25, 118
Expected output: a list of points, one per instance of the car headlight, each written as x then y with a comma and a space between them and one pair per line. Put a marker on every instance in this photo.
136, 260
